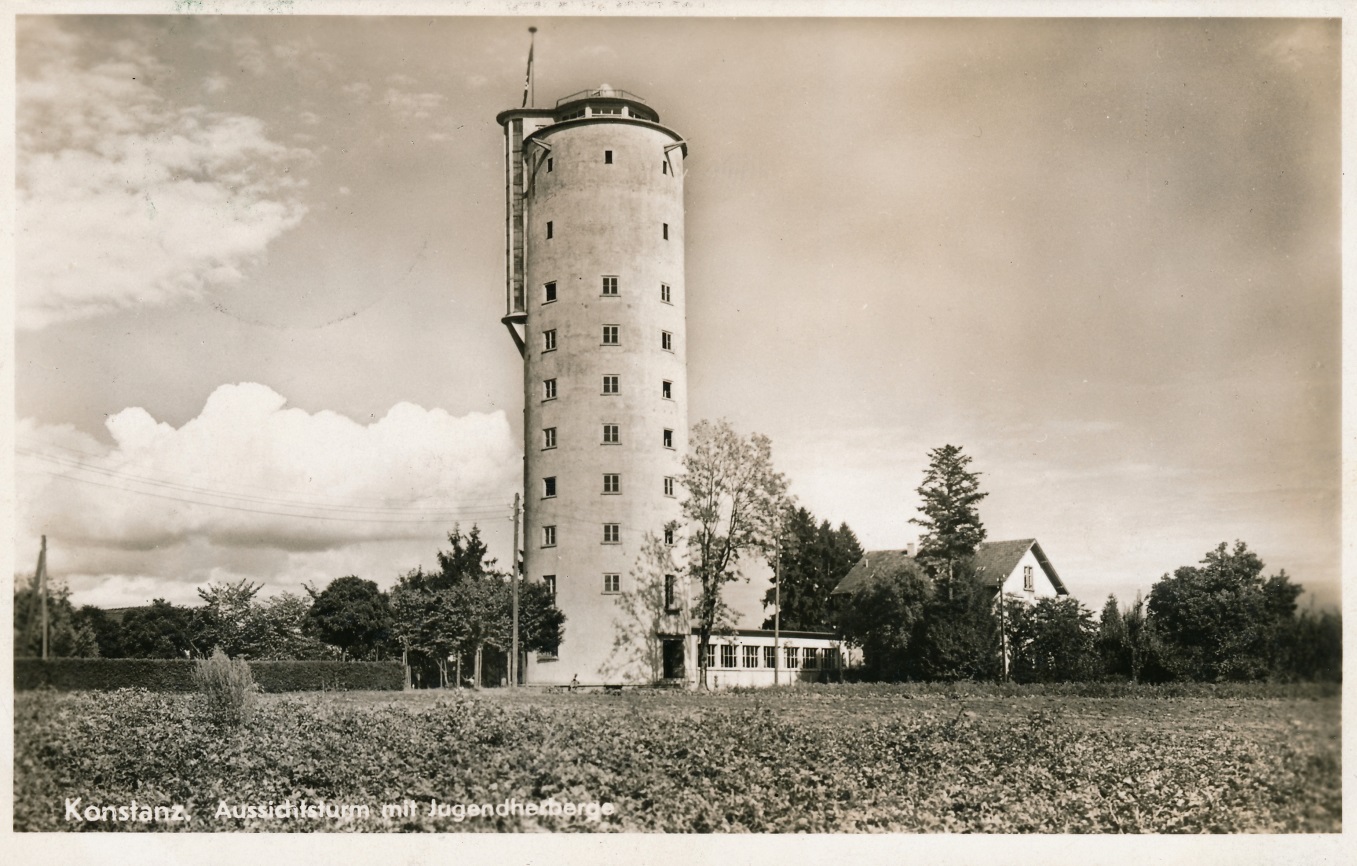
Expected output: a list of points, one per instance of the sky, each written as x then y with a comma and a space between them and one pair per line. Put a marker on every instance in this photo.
259, 276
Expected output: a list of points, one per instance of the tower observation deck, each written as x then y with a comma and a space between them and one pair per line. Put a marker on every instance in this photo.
594, 297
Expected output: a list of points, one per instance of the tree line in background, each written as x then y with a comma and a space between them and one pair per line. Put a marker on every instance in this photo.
456, 612
934, 618
930, 618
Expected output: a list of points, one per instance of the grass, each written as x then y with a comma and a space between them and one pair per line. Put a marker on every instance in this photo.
855, 758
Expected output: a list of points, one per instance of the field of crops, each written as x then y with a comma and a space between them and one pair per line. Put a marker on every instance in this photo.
820, 759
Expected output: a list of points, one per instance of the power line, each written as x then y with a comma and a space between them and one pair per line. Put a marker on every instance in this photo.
37, 451
257, 500
486, 514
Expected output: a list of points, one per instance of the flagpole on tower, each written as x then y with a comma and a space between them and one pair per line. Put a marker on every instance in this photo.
529, 91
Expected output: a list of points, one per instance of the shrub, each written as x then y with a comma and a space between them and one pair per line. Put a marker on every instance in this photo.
176, 675
228, 686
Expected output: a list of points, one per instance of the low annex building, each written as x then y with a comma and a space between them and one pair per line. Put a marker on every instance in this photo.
1018, 569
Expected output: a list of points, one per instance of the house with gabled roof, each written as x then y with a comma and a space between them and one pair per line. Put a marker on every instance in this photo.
1018, 569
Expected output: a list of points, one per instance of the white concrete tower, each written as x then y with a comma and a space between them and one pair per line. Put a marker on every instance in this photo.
595, 302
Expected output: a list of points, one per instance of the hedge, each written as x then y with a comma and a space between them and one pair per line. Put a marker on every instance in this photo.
176, 675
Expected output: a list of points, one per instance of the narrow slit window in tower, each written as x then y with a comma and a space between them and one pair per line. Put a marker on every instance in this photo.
549, 487
548, 438
666, 341
548, 536
549, 340
668, 485
549, 293
666, 231
549, 389
664, 293
549, 230
608, 157
668, 438
667, 389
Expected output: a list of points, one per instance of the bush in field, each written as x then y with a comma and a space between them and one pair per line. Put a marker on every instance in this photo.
228, 686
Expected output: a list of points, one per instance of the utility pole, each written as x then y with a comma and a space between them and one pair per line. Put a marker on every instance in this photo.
513, 579
42, 591
777, 605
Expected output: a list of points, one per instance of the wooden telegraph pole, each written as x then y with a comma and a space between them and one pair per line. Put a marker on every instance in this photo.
42, 591
777, 604
513, 579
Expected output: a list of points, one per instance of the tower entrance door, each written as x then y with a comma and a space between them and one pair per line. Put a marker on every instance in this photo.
673, 659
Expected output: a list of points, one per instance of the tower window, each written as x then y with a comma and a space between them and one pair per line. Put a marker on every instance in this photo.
608, 157
612, 533
667, 389
548, 536
549, 389
549, 230
1028, 582
549, 437
664, 167
666, 341
549, 340
668, 536
550, 581
610, 385
612, 583
610, 436
610, 335
612, 483
664, 293
668, 485
668, 438
549, 486
666, 230
610, 286
670, 597
549, 165
549, 293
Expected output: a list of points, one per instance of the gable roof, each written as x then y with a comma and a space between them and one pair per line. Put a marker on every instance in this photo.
873, 562
994, 561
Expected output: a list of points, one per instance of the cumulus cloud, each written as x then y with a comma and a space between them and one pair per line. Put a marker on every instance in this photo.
250, 473
127, 200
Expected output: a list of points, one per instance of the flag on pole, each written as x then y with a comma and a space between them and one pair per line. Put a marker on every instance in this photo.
527, 81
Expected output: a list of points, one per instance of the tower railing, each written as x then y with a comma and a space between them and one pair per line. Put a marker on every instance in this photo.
601, 93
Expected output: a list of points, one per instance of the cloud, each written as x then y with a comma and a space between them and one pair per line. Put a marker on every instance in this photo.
216, 83
358, 90
412, 106
253, 487
310, 118
126, 200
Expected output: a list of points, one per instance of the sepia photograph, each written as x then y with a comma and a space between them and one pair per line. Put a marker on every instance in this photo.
677, 421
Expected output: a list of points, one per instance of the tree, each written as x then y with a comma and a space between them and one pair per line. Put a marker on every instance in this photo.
951, 522
107, 630
160, 631
279, 627
812, 560
1051, 640
1114, 646
226, 620
68, 635
734, 501
1222, 620
466, 606
351, 614
959, 638
884, 617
